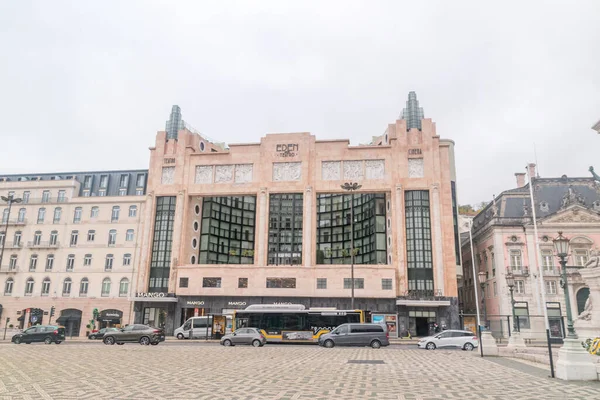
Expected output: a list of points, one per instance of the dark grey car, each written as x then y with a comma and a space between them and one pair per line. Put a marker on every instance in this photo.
374, 335
251, 336
142, 334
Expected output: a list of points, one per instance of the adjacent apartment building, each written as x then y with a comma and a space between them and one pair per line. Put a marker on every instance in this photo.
504, 241
69, 243
268, 222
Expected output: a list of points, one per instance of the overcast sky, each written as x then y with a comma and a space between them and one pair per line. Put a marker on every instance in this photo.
86, 85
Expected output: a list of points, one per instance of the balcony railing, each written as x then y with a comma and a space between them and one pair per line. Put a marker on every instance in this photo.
48, 200
14, 222
551, 272
8, 268
43, 245
14, 245
518, 270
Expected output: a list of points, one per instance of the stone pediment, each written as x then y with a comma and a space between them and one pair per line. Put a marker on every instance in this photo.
575, 214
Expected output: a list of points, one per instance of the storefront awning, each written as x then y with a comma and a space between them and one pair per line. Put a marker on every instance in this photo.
156, 299
423, 303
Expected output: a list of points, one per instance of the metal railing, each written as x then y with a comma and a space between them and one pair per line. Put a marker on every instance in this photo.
8, 268
14, 222
520, 271
13, 245
46, 200
43, 245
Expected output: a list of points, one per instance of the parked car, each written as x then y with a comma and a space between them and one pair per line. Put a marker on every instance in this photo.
250, 336
100, 333
374, 335
142, 334
41, 333
465, 340
199, 326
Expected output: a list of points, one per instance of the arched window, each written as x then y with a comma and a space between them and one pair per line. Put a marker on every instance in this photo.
133, 211
123, 287
115, 214
46, 286
106, 287
37, 238
77, 214
54, 238
129, 235
21, 217
5, 215
94, 212
83, 287
67, 287
112, 237
29, 286
8, 286
41, 215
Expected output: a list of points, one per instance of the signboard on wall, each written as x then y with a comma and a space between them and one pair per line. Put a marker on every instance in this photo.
470, 324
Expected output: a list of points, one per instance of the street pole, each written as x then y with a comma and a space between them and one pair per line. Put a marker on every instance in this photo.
512, 302
570, 328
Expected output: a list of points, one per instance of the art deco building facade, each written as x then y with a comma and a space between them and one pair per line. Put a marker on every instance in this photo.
268, 222
69, 241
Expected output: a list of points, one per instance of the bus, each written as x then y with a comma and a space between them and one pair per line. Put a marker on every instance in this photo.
293, 322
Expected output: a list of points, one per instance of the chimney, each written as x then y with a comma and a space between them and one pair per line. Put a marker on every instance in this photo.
520, 179
531, 171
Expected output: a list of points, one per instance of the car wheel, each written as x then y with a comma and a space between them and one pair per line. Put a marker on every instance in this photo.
227, 342
180, 336
256, 343
375, 344
48, 340
18, 341
144, 340
329, 343
120, 344
430, 346
468, 346
58, 342
109, 340
93, 337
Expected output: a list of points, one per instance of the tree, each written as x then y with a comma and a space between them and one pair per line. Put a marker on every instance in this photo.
465, 209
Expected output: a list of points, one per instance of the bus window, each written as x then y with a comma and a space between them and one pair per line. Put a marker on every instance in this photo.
273, 322
294, 322
254, 321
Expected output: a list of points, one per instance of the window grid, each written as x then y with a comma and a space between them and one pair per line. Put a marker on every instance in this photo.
418, 240
285, 229
161, 245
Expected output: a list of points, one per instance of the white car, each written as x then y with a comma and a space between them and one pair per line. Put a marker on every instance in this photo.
465, 340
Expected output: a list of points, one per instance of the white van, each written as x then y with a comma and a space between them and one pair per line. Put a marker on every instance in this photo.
200, 328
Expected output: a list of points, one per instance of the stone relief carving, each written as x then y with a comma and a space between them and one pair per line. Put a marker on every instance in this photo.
168, 176
416, 168
572, 197
594, 260
204, 174
353, 170
331, 170
223, 173
586, 315
243, 173
375, 169
287, 171
576, 216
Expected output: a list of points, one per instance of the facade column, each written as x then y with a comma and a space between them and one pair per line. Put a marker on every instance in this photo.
143, 261
307, 218
260, 235
438, 238
400, 235
178, 226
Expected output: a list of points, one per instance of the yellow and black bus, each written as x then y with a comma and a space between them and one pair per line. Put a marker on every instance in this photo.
293, 322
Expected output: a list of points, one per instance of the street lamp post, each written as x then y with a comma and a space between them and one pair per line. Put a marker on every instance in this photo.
482, 278
510, 282
561, 246
10, 199
351, 187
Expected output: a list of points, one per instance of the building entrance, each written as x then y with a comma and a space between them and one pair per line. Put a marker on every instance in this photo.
420, 323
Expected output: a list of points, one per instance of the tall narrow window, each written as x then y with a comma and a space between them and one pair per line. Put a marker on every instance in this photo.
2, 238
285, 229
54, 238
46, 196
160, 262
8, 286
418, 241
49, 262
87, 260
129, 235
516, 263
91, 236
123, 287
5, 216
87, 182
104, 182
94, 212
77, 215
108, 263
21, 217
57, 215
61, 196
123, 180
46, 287
141, 179
17, 239
83, 287
37, 238
74, 238
66, 287
33, 262
70, 262
105, 287
12, 266
29, 286
112, 237
115, 214
127, 259
132, 211
26, 195
41, 215
580, 256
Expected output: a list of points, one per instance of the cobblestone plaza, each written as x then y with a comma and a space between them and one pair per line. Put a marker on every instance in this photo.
208, 371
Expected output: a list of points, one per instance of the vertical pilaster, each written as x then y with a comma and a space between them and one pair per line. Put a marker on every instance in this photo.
438, 239
261, 235
307, 233
398, 214
143, 261
178, 226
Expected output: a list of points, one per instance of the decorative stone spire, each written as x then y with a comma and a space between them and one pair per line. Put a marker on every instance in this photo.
174, 124
413, 114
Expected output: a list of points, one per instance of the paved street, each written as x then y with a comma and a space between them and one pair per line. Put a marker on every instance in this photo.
208, 371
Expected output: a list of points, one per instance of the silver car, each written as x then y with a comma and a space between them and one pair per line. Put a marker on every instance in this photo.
465, 340
373, 335
251, 336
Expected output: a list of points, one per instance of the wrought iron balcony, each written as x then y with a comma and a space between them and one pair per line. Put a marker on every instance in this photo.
518, 271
